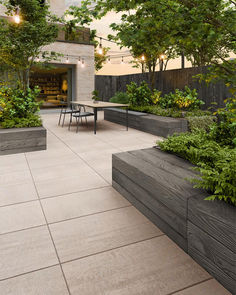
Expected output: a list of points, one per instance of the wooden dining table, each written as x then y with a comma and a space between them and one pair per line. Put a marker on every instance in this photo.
98, 105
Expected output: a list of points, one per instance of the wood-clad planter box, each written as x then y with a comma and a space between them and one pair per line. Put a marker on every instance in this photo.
156, 125
21, 140
154, 182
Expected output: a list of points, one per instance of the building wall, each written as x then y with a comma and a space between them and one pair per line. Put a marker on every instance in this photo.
84, 77
58, 7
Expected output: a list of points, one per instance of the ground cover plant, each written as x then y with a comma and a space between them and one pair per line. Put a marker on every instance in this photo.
213, 153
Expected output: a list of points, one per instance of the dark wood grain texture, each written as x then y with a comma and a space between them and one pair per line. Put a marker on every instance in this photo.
217, 259
20, 140
216, 218
154, 182
156, 125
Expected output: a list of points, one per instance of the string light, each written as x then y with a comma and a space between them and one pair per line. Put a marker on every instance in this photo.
100, 50
109, 60
122, 60
82, 64
16, 16
67, 59
143, 57
79, 60
162, 56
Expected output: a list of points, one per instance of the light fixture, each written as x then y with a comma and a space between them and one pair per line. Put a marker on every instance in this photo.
100, 50
109, 60
67, 59
82, 64
122, 60
16, 16
162, 56
79, 60
143, 57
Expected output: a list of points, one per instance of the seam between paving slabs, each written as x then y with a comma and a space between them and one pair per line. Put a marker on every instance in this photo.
63, 220
49, 229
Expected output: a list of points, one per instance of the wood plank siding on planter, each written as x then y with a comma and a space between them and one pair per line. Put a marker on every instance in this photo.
155, 183
156, 125
21, 140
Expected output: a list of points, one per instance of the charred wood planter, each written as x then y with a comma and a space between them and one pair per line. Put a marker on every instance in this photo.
21, 140
156, 125
154, 182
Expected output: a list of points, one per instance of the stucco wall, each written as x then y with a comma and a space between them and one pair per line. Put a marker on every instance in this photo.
58, 7
84, 76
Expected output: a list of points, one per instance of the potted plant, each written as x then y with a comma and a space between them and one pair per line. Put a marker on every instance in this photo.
95, 96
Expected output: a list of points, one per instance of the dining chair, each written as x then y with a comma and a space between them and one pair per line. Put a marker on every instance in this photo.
80, 114
67, 109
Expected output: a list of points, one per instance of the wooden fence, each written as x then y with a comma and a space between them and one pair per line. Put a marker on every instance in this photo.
166, 81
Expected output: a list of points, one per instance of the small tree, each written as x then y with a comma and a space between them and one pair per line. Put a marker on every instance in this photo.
22, 43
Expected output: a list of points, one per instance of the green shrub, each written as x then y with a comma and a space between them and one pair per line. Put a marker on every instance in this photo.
182, 100
32, 120
203, 122
169, 112
215, 162
120, 97
19, 108
139, 95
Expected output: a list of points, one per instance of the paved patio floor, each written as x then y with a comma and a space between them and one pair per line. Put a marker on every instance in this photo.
65, 230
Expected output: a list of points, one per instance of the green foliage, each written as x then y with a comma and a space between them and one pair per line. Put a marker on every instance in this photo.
183, 100
22, 43
95, 95
204, 30
156, 95
203, 122
139, 95
215, 162
33, 120
19, 108
170, 112
120, 97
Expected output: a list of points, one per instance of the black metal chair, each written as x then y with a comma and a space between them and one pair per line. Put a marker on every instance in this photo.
80, 115
67, 109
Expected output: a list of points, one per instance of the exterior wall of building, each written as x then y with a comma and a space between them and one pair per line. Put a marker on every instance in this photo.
58, 7
84, 77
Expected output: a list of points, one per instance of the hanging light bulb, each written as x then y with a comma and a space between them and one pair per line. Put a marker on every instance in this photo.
162, 56
16, 16
79, 60
67, 59
109, 60
82, 64
122, 60
143, 57
100, 50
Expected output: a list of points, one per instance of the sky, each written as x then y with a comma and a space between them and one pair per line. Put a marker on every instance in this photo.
103, 30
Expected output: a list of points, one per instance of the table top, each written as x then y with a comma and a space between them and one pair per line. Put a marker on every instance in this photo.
99, 104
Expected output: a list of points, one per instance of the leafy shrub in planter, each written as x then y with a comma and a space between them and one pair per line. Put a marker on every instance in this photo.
120, 97
215, 162
183, 100
18, 108
139, 95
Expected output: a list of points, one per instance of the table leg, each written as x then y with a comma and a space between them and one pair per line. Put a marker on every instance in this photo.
95, 120
127, 119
